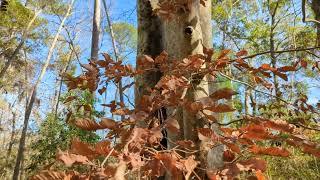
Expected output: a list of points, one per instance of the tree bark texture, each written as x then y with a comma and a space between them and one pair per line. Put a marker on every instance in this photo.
95, 30
315, 5
186, 34
149, 43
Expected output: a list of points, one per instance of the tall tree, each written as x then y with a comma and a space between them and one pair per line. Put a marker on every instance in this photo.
95, 30
186, 33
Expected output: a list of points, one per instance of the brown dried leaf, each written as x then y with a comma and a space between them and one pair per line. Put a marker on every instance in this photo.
87, 124
242, 53
185, 143
155, 135
287, 68
54, 175
70, 159
280, 125
70, 98
304, 63
102, 90
81, 148
172, 125
273, 151
220, 108
121, 111
205, 134
189, 164
102, 147
108, 123
225, 93
228, 156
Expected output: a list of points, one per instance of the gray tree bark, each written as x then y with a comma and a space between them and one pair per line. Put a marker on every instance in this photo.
95, 30
179, 42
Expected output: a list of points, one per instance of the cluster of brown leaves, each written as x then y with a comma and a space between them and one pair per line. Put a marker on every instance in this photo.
139, 148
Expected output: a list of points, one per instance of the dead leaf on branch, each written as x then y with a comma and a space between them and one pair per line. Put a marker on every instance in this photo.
287, 68
233, 169
189, 165
228, 156
273, 151
242, 53
70, 159
172, 125
87, 124
225, 93
109, 123
81, 148
280, 125
220, 108
102, 90
54, 175
186, 143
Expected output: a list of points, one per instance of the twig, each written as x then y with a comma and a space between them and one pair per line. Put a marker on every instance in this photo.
231, 122
278, 52
105, 160
268, 94
196, 174
115, 50
306, 127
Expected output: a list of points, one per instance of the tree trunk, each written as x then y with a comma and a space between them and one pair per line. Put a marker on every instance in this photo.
33, 97
57, 98
95, 30
316, 9
13, 132
273, 49
149, 43
185, 35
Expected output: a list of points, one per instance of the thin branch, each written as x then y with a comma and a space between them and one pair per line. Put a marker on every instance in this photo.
105, 160
281, 51
115, 50
262, 92
231, 122
306, 127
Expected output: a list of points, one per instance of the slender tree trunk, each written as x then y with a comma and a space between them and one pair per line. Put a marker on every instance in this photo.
13, 132
64, 70
246, 101
33, 97
95, 30
272, 49
316, 9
